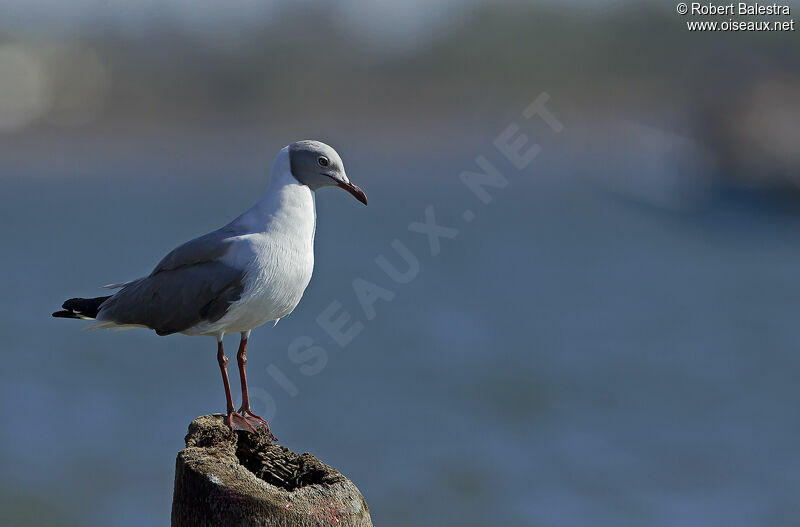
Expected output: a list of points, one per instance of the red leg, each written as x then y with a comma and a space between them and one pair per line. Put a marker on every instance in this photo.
241, 358
233, 415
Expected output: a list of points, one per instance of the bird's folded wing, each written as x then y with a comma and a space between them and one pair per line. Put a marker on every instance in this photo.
175, 300
190, 285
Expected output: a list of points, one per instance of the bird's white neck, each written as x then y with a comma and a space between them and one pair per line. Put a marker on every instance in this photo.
287, 206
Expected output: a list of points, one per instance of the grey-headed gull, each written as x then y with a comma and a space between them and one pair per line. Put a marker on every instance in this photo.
251, 271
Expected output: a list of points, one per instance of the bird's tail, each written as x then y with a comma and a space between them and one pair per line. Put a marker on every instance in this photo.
85, 308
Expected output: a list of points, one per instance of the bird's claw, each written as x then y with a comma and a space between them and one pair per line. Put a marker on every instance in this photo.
259, 421
239, 422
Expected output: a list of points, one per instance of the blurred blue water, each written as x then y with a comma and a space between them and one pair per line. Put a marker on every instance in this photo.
568, 359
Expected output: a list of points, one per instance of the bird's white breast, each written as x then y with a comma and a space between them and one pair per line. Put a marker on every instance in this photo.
274, 282
276, 254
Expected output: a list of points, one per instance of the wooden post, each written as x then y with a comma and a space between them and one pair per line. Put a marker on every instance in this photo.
226, 479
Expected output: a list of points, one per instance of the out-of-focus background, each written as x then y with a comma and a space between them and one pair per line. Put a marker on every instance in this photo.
611, 340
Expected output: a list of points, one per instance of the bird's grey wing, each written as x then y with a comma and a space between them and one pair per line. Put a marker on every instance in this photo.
207, 248
174, 300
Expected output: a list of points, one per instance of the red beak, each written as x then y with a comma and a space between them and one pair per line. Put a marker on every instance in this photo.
355, 191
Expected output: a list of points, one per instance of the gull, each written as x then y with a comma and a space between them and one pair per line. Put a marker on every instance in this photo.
252, 271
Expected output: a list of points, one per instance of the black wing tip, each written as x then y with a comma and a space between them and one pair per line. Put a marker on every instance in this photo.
81, 307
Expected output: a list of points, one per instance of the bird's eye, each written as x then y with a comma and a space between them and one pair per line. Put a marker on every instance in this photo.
323, 161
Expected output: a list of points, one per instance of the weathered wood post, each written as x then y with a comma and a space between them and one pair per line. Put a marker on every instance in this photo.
226, 479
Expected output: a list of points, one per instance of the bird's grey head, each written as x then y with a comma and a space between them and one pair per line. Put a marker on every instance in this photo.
318, 165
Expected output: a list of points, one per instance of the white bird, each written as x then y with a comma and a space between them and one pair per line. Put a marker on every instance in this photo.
251, 271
